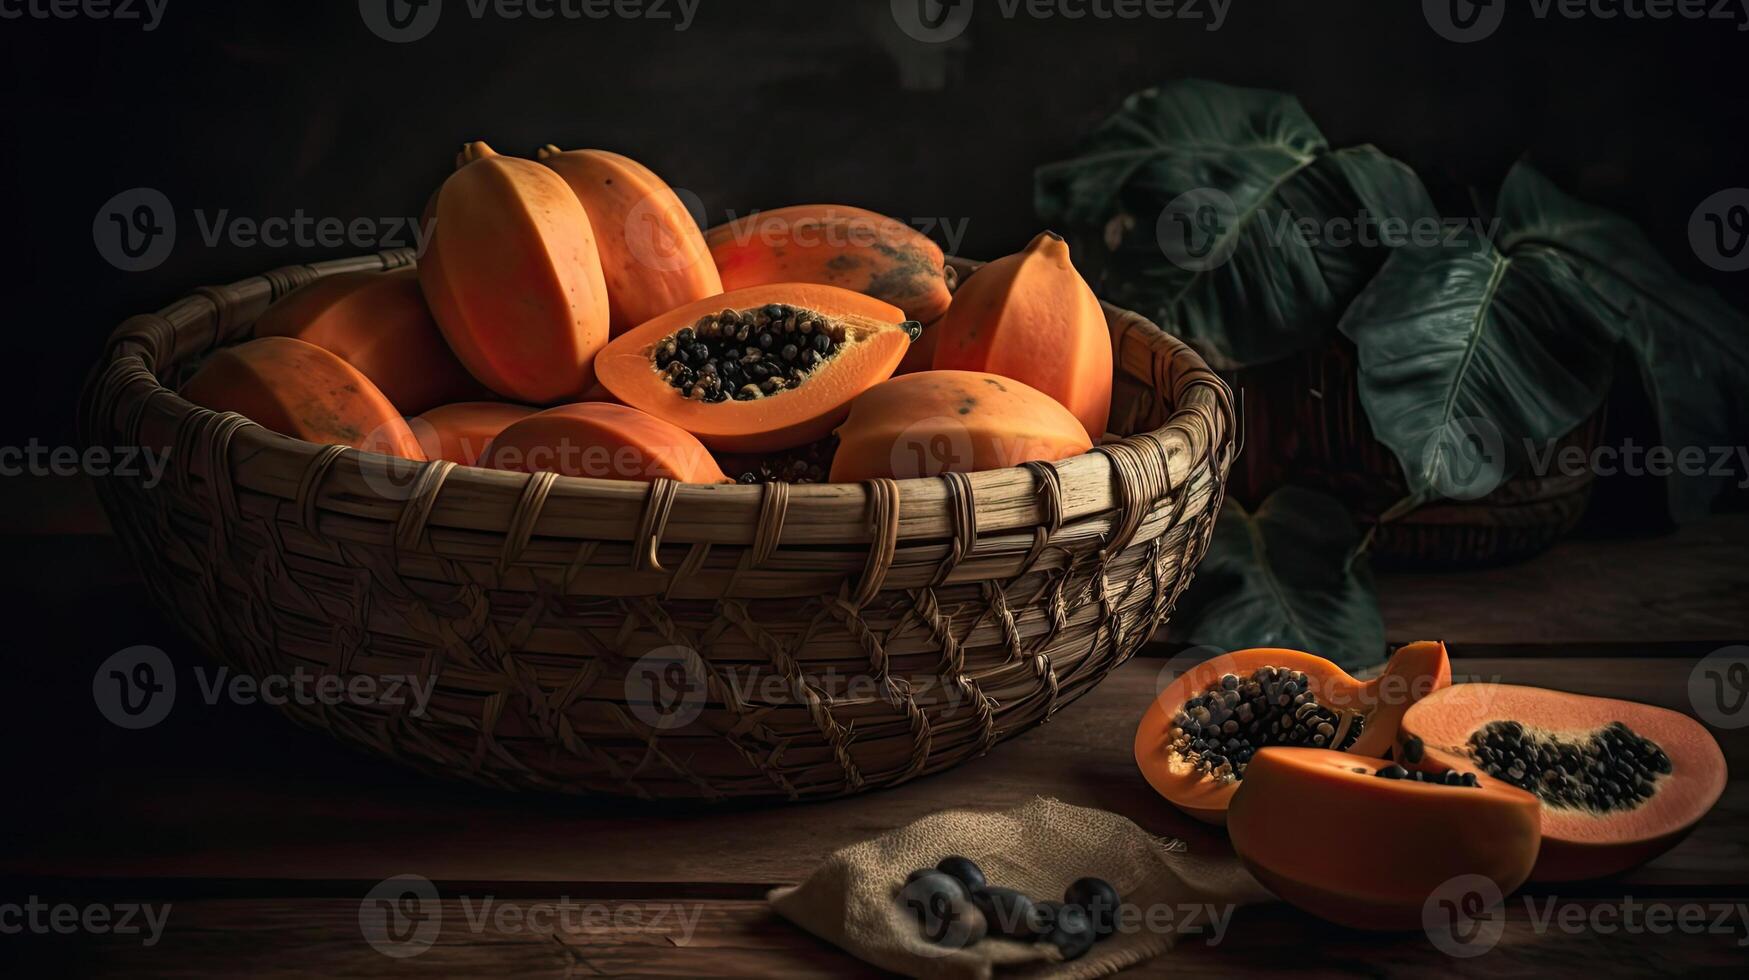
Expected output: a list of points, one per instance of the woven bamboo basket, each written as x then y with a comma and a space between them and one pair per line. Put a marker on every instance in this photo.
1304, 424
659, 640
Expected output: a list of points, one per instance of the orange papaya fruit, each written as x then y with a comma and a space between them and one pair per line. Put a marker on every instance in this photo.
603, 441
1620, 782
1358, 842
1031, 317
835, 245
461, 431
934, 422
759, 369
378, 323
300, 390
653, 255
1188, 753
513, 277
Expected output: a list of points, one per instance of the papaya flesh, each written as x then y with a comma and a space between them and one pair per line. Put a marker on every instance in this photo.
935, 422
1031, 317
513, 277
761, 369
602, 441
653, 256
1327, 833
461, 431
378, 323
300, 390
1620, 782
1257, 690
835, 245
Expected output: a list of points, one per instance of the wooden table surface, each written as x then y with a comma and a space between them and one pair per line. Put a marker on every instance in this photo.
263, 838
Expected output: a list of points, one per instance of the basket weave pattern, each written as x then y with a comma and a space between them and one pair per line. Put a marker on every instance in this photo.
836, 637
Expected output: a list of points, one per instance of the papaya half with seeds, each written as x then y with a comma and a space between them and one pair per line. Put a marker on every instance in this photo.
300, 390
513, 277
835, 245
653, 255
1031, 317
761, 369
1620, 782
1353, 841
602, 441
1195, 741
461, 431
378, 323
935, 422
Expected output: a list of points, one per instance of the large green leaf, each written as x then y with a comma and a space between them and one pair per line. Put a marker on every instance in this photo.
1692, 346
1231, 220
1289, 575
1470, 356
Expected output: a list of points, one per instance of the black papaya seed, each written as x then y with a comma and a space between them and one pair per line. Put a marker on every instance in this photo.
964, 869
1009, 913
943, 910
1099, 898
1071, 931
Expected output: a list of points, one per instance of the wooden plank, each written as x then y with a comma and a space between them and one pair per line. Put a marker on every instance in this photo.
303, 937
263, 800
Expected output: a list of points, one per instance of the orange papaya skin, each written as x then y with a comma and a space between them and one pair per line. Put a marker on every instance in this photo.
461, 431
1412, 673
1321, 830
835, 245
933, 422
1031, 317
300, 390
603, 441
378, 323
777, 422
653, 255
513, 277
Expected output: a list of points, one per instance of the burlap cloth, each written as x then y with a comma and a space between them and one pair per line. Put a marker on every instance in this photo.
1039, 848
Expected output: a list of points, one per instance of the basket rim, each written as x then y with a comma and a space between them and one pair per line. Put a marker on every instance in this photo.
126, 398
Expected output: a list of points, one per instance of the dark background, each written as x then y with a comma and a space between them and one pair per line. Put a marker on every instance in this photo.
266, 108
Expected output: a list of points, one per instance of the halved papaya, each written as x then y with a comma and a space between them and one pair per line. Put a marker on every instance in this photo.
1621, 782
300, 390
835, 245
461, 431
378, 323
936, 422
1031, 317
1196, 740
759, 369
652, 254
1355, 841
513, 277
603, 441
